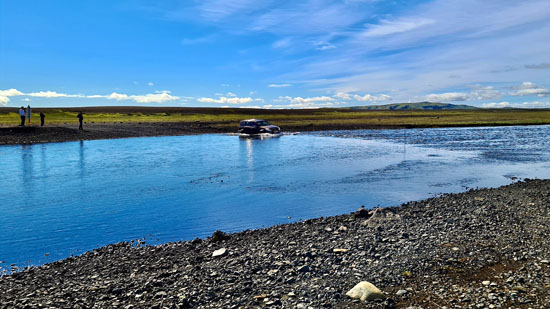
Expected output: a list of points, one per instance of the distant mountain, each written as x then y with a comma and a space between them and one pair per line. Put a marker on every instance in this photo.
412, 106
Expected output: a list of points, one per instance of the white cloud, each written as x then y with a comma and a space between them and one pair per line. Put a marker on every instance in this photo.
279, 85
150, 84
251, 106
10, 92
305, 101
26, 99
371, 98
5, 94
529, 88
480, 92
449, 96
230, 94
53, 94
342, 96
4, 100
117, 96
301, 105
535, 104
159, 97
496, 105
225, 100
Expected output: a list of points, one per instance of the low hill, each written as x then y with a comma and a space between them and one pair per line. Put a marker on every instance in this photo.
412, 106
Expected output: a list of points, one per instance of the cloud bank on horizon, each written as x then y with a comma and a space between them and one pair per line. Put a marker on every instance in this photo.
275, 54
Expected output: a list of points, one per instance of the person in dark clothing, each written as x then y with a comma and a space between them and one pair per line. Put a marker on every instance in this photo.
80, 119
22, 115
42, 116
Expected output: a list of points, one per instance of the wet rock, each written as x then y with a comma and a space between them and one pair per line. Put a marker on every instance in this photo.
362, 213
219, 236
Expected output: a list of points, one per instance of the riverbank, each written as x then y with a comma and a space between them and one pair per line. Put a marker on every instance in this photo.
120, 122
54, 134
481, 248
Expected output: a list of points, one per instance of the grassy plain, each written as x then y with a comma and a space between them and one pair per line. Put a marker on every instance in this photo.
225, 118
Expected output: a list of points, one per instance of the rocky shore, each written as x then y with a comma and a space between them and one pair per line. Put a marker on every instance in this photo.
485, 248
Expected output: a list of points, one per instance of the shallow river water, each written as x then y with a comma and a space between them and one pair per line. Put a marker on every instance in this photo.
66, 198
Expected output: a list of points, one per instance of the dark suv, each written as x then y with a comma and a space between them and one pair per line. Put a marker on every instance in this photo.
256, 126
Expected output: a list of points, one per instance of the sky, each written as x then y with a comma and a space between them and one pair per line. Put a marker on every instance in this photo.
274, 53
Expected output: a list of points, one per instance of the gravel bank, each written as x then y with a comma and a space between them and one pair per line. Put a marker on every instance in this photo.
486, 248
35, 134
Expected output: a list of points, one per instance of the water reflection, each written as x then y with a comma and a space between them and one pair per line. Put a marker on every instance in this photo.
27, 173
249, 159
82, 164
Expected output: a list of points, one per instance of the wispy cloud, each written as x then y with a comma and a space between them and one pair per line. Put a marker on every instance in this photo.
540, 66
199, 40
387, 27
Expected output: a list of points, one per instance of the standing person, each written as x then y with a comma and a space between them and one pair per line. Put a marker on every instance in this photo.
29, 114
42, 116
22, 115
80, 119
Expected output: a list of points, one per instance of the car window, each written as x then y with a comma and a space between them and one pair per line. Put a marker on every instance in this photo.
263, 123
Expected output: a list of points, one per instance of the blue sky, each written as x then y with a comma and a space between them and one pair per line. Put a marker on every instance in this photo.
274, 54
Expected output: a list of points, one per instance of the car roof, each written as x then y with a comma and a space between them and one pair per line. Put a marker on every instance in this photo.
253, 120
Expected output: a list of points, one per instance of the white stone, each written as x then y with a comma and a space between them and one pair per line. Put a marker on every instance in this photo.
339, 250
365, 291
219, 252
487, 282
401, 292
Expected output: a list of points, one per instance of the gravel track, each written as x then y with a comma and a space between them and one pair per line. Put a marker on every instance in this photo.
485, 248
